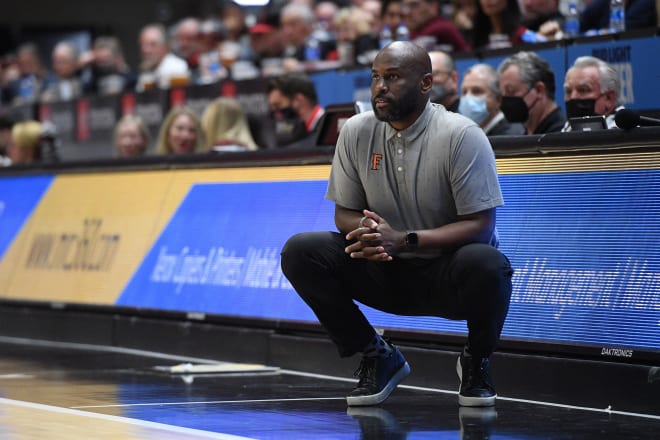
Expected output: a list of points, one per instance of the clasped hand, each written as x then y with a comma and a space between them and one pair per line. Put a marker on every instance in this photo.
374, 239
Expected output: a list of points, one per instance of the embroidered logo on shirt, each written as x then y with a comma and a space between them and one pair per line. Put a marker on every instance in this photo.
375, 161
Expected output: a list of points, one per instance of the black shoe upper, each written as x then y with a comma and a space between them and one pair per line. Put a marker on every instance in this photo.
476, 381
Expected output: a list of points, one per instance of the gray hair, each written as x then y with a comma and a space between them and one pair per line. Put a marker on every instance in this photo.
532, 69
301, 10
609, 78
490, 72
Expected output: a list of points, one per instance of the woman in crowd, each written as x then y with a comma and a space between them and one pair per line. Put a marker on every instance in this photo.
131, 137
497, 24
226, 125
181, 133
353, 27
25, 144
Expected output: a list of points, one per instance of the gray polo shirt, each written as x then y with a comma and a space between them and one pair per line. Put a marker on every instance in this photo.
418, 178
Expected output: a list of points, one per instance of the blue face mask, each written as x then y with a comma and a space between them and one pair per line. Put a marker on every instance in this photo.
474, 107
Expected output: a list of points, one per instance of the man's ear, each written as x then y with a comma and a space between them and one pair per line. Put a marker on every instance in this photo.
427, 83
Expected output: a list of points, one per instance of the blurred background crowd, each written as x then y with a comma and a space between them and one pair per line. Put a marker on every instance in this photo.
208, 42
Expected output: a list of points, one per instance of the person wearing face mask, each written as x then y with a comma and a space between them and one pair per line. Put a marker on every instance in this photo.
480, 101
591, 88
445, 80
295, 109
527, 84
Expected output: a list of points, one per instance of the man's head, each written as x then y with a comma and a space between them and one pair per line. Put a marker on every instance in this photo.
391, 14
591, 87
292, 99
401, 81
527, 85
65, 59
187, 37
27, 59
153, 46
296, 23
480, 94
108, 55
445, 78
416, 13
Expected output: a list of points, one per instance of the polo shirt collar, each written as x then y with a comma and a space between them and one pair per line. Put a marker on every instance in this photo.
414, 131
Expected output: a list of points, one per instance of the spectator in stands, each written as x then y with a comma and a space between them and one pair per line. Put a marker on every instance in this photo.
181, 133
325, 12
592, 87
295, 108
375, 9
110, 74
480, 101
67, 84
131, 137
225, 124
391, 14
24, 147
463, 15
32, 79
210, 69
527, 84
415, 235
158, 66
424, 20
267, 45
543, 16
445, 80
233, 18
188, 42
353, 28
297, 24
497, 24
639, 14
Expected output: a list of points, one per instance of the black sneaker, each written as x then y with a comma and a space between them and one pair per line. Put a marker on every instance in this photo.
476, 388
378, 378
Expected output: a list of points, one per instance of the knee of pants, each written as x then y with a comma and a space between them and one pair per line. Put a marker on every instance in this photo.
301, 250
483, 264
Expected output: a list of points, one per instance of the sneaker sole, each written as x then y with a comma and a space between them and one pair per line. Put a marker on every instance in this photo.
467, 400
375, 399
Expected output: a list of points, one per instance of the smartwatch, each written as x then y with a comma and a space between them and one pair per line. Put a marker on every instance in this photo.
412, 241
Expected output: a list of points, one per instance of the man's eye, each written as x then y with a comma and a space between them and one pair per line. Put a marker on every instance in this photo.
392, 77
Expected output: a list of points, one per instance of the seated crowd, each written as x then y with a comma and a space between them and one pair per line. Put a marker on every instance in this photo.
291, 38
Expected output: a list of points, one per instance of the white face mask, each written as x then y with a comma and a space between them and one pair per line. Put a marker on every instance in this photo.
474, 107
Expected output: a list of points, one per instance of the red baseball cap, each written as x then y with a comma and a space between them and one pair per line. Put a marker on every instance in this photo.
262, 28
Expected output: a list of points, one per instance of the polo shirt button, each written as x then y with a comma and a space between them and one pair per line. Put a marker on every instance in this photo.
400, 169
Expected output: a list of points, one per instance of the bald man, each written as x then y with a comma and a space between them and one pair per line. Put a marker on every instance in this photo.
415, 189
445, 80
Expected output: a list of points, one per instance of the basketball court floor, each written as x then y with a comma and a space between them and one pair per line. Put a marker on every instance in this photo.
71, 391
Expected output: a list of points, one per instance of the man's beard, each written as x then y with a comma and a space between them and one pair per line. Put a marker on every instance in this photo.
397, 109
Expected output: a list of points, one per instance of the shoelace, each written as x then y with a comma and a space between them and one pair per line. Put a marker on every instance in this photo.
366, 372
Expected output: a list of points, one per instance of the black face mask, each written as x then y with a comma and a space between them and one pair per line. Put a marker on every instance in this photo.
578, 108
514, 109
289, 127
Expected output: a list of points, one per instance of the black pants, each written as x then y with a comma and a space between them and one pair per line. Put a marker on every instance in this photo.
473, 283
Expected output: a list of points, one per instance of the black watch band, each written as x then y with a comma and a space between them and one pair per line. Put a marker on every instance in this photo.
412, 241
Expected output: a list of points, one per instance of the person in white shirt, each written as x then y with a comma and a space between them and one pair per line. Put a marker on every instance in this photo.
159, 67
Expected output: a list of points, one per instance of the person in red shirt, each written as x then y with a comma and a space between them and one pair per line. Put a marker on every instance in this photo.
424, 20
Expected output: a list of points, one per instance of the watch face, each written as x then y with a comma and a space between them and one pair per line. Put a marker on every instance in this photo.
411, 241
